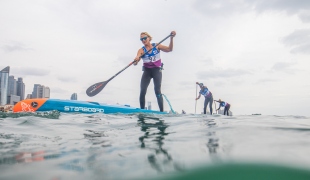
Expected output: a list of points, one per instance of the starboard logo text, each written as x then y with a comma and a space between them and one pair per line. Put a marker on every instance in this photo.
83, 109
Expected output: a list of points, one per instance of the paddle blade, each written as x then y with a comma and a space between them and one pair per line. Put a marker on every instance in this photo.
96, 88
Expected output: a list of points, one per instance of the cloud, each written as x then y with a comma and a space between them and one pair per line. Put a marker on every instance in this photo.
207, 61
67, 79
304, 49
220, 7
31, 71
290, 6
226, 8
300, 36
266, 80
305, 16
186, 85
284, 67
58, 90
299, 40
15, 46
220, 83
224, 73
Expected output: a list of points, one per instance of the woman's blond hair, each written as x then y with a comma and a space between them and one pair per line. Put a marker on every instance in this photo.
147, 34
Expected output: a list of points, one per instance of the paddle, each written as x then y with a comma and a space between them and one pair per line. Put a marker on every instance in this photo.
96, 88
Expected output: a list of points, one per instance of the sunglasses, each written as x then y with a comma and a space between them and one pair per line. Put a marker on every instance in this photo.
143, 39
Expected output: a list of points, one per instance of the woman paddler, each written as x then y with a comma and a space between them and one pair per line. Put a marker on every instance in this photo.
152, 66
225, 105
204, 91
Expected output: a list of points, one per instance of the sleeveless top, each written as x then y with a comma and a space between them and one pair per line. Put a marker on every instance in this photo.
205, 92
223, 104
152, 58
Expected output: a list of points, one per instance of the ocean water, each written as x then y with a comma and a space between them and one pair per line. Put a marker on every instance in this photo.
58, 146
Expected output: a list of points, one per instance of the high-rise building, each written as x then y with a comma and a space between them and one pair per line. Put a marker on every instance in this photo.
46, 92
12, 97
40, 91
12, 86
74, 96
35, 91
4, 79
20, 88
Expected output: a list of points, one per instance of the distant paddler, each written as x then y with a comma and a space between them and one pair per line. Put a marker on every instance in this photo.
152, 66
225, 105
208, 97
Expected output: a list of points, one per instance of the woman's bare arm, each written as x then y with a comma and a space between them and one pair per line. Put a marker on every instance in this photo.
138, 57
170, 47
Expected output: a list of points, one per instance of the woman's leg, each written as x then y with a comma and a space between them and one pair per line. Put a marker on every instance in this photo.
157, 77
228, 107
205, 106
211, 104
225, 110
145, 81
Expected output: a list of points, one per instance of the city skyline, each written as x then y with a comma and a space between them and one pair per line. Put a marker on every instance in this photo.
13, 90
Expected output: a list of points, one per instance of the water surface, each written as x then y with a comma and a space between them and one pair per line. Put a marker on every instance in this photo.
142, 146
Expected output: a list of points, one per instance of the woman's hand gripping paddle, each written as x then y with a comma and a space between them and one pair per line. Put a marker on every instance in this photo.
96, 88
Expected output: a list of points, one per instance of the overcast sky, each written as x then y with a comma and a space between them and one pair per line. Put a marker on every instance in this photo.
253, 54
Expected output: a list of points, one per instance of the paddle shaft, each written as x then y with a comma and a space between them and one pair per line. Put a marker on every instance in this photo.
135, 60
215, 108
196, 100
